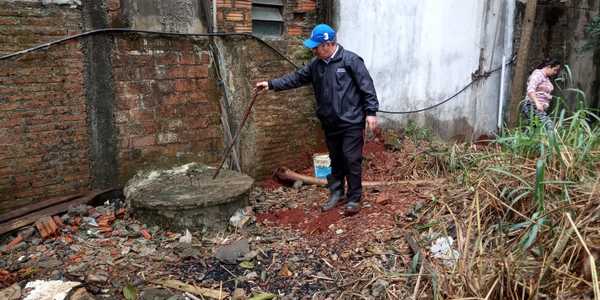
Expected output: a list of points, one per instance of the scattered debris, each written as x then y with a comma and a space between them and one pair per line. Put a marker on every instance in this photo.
285, 271
204, 292
12, 292
379, 288
239, 294
230, 254
442, 249
14, 242
81, 294
46, 226
30, 214
292, 250
146, 234
49, 290
241, 217
186, 238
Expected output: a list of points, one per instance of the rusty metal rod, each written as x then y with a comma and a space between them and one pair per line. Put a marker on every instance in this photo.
237, 134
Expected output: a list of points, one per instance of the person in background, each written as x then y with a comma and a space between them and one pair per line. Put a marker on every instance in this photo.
539, 92
346, 103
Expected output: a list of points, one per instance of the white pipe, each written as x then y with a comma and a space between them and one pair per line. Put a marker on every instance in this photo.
214, 15
501, 98
509, 10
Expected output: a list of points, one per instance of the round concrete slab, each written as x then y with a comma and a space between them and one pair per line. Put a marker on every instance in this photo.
187, 197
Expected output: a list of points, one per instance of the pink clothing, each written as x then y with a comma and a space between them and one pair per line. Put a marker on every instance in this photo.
541, 86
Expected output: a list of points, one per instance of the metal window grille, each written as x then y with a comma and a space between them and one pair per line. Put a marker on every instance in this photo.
267, 18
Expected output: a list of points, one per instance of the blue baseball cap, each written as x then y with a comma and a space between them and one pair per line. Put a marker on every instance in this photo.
320, 34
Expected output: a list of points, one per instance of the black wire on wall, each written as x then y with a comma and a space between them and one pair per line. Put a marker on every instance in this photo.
475, 79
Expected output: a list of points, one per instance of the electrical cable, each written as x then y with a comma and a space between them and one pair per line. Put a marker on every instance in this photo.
129, 30
477, 76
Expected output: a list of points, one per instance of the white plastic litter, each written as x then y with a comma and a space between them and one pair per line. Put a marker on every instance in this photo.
49, 290
241, 217
442, 249
186, 238
90, 221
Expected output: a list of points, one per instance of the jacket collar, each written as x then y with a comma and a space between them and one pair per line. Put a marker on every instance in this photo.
337, 56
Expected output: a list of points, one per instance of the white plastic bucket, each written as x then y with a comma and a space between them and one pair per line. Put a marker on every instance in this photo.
322, 165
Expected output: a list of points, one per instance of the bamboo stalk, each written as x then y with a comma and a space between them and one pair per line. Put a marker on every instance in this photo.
286, 174
591, 257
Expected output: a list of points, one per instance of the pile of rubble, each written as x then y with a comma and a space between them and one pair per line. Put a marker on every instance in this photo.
280, 246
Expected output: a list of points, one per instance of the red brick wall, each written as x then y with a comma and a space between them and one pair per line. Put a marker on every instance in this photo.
167, 105
283, 130
236, 16
43, 127
287, 131
113, 9
300, 17
166, 100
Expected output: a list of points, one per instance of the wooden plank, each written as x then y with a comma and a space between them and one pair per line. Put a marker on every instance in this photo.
35, 206
50, 211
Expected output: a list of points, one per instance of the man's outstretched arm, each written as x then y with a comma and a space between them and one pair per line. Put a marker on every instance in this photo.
289, 81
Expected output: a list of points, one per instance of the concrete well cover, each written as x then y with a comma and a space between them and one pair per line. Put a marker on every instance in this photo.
186, 197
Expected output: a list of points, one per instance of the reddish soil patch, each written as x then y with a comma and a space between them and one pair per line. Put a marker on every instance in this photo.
311, 221
384, 206
332, 228
288, 217
320, 221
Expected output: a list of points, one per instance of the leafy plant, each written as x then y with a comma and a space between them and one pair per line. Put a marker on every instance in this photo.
130, 292
593, 31
417, 133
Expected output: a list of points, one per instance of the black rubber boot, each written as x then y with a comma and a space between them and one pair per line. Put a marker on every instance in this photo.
336, 193
352, 208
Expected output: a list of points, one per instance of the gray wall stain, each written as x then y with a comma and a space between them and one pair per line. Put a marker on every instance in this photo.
178, 15
182, 16
100, 97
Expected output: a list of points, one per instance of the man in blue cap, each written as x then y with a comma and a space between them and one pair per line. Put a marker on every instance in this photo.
346, 103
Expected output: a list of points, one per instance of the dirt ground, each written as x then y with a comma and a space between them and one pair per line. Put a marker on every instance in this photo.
296, 251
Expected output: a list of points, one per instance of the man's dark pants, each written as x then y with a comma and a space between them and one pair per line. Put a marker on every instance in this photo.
345, 151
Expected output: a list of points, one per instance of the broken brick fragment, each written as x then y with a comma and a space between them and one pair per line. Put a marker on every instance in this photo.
106, 230
46, 226
146, 234
121, 212
75, 258
106, 220
14, 242
68, 239
58, 221
6, 278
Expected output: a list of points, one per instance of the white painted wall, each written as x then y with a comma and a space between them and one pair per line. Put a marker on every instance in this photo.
420, 52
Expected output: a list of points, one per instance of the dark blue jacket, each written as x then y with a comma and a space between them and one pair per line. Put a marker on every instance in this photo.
343, 88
